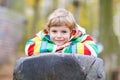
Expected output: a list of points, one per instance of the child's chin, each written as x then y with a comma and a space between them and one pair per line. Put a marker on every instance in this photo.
59, 44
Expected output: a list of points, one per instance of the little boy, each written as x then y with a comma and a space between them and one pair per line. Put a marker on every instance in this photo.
62, 35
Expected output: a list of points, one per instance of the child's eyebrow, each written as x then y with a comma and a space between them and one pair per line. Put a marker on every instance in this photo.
64, 31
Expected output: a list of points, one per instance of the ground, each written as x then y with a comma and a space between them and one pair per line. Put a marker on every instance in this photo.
6, 69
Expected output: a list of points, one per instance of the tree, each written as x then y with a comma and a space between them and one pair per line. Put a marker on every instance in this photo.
107, 36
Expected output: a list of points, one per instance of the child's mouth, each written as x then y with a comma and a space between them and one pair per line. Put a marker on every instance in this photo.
60, 39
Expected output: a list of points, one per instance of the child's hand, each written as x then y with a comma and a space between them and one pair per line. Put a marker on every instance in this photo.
60, 48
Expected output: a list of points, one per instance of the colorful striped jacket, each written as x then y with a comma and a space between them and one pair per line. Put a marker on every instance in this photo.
80, 44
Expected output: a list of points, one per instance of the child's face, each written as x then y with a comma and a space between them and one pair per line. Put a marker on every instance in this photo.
59, 35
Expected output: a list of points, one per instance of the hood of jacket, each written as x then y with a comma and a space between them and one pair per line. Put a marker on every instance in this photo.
43, 34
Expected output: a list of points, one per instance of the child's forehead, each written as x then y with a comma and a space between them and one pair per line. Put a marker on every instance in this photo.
60, 28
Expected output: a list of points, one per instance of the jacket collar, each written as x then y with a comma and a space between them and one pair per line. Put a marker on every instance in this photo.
78, 32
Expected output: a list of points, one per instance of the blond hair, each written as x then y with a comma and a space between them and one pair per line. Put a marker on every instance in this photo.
61, 17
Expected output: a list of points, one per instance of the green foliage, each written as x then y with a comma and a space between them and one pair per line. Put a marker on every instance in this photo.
18, 6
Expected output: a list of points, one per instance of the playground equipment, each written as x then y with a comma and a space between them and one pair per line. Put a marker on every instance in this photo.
58, 66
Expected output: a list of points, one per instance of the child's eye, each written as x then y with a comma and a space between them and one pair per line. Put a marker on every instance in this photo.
54, 31
64, 31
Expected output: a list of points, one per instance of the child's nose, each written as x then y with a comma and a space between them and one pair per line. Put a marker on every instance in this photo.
59, 35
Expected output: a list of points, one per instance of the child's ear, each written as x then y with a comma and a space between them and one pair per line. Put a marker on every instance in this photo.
79, 33
73, 32
46, 31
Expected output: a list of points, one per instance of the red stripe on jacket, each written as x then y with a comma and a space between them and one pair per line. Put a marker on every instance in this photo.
88, 38
31, 50
86, 51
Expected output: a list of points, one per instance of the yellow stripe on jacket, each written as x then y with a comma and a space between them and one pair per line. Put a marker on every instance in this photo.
80, 48
37, 45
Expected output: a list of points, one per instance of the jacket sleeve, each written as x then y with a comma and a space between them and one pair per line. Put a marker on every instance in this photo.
36, 46
84, 45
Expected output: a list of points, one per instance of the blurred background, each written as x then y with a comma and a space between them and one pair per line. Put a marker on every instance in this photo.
20, 20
